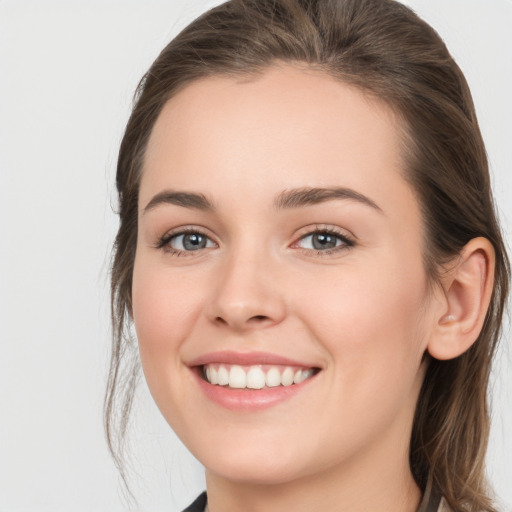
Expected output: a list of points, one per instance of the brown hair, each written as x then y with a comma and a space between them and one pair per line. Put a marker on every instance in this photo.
383, 48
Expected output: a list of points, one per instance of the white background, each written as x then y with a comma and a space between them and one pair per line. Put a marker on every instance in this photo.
67, 73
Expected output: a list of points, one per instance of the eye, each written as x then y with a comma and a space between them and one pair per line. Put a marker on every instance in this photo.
325, 241
185, 242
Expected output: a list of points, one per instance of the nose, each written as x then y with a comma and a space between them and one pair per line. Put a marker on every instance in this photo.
246, 294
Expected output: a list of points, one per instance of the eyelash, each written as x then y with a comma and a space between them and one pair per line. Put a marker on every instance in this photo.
347, 242
164, 242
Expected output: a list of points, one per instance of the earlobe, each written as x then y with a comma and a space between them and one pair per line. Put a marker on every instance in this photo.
467, 288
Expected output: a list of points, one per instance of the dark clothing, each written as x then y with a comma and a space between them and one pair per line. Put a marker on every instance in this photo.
198, 505
430, 504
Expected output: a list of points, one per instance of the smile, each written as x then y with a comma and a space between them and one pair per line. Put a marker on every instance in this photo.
255, 376
251, 381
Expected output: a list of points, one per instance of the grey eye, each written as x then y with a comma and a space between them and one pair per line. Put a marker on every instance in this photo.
190, 242
321, 241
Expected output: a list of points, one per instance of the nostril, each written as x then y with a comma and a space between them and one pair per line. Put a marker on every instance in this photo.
258, 317
255, 320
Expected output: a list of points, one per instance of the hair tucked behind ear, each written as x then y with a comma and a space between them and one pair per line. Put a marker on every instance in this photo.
383, 48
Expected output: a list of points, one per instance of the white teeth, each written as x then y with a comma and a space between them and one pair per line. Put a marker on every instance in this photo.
214, 376
223, 379
287, 377
255, 377
273, 378
306, 374
237, 377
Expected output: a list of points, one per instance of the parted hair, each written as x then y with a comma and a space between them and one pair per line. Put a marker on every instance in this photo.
384, 49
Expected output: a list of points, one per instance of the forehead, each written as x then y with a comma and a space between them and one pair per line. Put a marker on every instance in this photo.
289, 127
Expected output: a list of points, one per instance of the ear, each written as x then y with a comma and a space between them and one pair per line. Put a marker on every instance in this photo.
467, 288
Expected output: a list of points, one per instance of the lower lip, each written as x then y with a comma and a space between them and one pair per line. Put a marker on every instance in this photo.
249, 399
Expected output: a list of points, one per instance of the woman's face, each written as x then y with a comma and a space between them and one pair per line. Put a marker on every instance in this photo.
278, 242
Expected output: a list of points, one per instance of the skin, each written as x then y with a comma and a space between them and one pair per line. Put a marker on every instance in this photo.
363, 314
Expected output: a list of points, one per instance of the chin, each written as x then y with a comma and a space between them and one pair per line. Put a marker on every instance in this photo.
255, 473
257, 464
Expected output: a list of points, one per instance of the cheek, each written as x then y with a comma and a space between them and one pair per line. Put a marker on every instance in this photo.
371, 324
165, 308
371, 318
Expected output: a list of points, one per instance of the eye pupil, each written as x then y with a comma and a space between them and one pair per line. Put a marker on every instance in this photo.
194, 241
323, 241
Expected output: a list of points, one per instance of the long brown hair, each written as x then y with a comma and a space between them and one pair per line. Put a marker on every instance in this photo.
383, 48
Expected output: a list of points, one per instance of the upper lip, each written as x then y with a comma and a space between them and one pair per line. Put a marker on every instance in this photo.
246, 359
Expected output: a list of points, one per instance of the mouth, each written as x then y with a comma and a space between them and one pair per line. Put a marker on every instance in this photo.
255, 377
251, 381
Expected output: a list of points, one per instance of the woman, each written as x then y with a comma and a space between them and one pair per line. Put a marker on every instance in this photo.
310, 256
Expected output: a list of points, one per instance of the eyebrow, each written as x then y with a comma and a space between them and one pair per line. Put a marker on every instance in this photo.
293, 198
307, 196
184, 199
